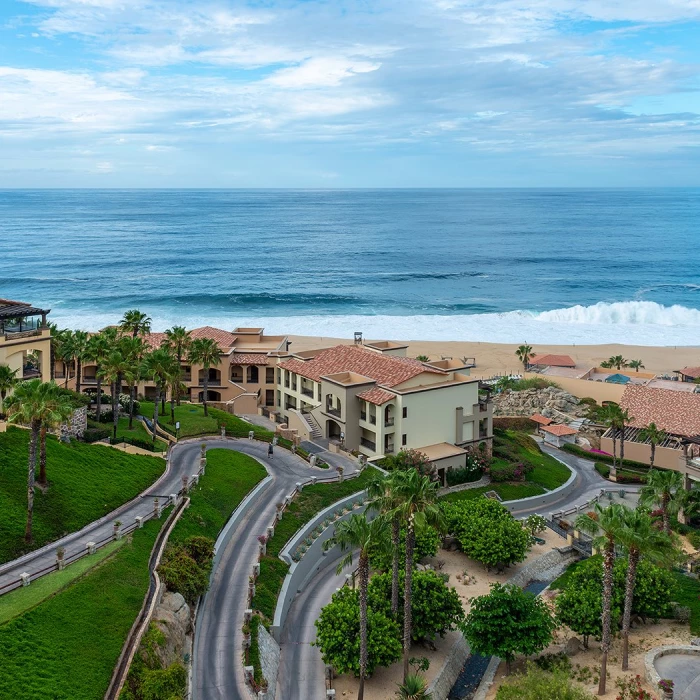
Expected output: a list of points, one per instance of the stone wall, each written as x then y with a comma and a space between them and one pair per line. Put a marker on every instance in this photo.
77, 424
551, 402
547, 567
269, 660
450, 670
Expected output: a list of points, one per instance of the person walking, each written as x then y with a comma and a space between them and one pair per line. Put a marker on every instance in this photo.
270, 450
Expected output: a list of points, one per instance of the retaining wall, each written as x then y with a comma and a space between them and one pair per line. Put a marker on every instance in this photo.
450, 670
269, 660
300, 572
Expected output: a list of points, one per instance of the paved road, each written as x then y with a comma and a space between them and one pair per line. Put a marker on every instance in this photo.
170, 482
217, 672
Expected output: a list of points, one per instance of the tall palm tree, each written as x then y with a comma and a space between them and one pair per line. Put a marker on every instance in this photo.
80, 350
611, 418
640, 538
623, 420
524, 353
114, 367
636, 365
359, 533
8, 379
64, 352
605, 525
97, 350
654, 436
664, 488
159, 365
134, 350
57, 410
178, 341
205, 352
53, 328
135, 322
383, 494
418, 508
616, 361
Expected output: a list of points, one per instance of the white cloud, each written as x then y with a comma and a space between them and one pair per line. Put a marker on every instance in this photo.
320, 72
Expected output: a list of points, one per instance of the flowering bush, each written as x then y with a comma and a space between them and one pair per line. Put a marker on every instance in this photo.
510, 472
262, 539
666, 685
631, 689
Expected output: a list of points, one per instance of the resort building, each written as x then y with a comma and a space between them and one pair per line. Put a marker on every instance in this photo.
244, 379
677, 413
25, 339
546, 360
373, 399
688, 374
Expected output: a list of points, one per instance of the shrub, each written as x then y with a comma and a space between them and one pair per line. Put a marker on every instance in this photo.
106, 415
435, 607
338, 635
521, 424
694, 539
536, 684
510, 472
185, 567
426, 545
487, 531
601, 457
465, 475
95, 434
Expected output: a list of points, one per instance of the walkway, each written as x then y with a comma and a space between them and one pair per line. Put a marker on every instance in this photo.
217, 667
684, 671
170, 482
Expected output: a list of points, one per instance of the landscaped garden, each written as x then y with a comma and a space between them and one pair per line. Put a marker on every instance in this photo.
85, 482
68, 645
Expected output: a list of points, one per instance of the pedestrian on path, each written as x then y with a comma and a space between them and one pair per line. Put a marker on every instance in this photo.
270, 450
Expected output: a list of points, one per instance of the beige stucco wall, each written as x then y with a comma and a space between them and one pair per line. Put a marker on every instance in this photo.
13, 352
600, 391
663, 457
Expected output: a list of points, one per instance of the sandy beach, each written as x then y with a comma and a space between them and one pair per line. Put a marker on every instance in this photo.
499, 358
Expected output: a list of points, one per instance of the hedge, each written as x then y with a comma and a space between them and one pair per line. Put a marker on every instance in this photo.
623, 476
600, 457
521, 424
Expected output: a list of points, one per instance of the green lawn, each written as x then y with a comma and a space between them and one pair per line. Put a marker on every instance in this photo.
689, 596
85, 483
22, 599
66, 647
303, 508
138, 432
507, 492
228, 479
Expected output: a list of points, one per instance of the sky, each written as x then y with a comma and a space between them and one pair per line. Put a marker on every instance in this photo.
349, 93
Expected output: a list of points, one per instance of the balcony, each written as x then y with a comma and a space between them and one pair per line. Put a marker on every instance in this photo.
388, 422
89, 380
389, 448
237, 378
369, 444
363, 415
211, 382
186, 378
29, 372
333, 411
290, 406
11, 334
307, 392
373, 420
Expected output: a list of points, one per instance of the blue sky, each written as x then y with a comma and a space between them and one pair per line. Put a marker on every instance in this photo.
351, 93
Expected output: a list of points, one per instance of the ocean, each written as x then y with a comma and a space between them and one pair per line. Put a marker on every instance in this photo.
537, 265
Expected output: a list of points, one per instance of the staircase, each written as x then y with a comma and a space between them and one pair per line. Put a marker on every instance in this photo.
314, 428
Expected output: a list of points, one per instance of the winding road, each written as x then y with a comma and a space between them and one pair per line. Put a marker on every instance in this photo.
217, 668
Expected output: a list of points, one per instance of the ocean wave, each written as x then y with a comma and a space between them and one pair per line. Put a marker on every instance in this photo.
633, 323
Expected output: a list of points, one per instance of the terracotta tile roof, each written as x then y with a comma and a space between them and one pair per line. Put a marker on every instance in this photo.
693, 372
676, 412
376, 396
223, 338
384, 369
559, 430
154, 340
553, 360
539, 418
248, 358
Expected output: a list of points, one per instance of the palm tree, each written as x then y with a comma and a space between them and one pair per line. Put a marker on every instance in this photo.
636, 365
178, 341
611, 418
616, 361
654, 436
524, 353
80, 350
8, 379
414, 687
136, 323
640, 538
53, 328
97, 350
64, 351
114, 368
365, 536
384, 495
605, 525
664, 488
57, 410
418, 508
159, 365
422, 358
134, 350
623, 419
205, 352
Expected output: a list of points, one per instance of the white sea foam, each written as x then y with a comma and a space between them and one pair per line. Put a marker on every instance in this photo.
630, 322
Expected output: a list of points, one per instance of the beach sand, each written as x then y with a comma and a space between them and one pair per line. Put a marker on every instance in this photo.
499, 358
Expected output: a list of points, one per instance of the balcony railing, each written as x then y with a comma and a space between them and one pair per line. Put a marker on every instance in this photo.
333, 411
307, 392
211, 382
238, 378
89, 380
389, 449
368, 443
186, 378
289, 406
388, 422
16, 335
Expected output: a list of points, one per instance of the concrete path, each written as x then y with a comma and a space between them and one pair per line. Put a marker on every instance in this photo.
217, 670
684, 671
170, 482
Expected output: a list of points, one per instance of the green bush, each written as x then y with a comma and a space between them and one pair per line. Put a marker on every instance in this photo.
532, 383
694, 539
600, 457
465, 475
509, 472
338, 635
536, 684
426, 545
520, 424
254, 653
623, 476
96, 434
182, 574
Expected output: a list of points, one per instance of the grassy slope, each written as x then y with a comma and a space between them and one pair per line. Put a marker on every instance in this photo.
139, 432
302, 509
66, 648
228, 479
689, 595
85, 483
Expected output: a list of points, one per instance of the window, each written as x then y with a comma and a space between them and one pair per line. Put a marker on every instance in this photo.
404, 413
252, 374
279, 376
403, 440
270, 375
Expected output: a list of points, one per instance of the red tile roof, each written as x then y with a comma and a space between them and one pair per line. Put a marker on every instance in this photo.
223, 338
384, 369
559, 430
552, 360
376, 396
248, 358
693, 372
539, 418
676, 412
